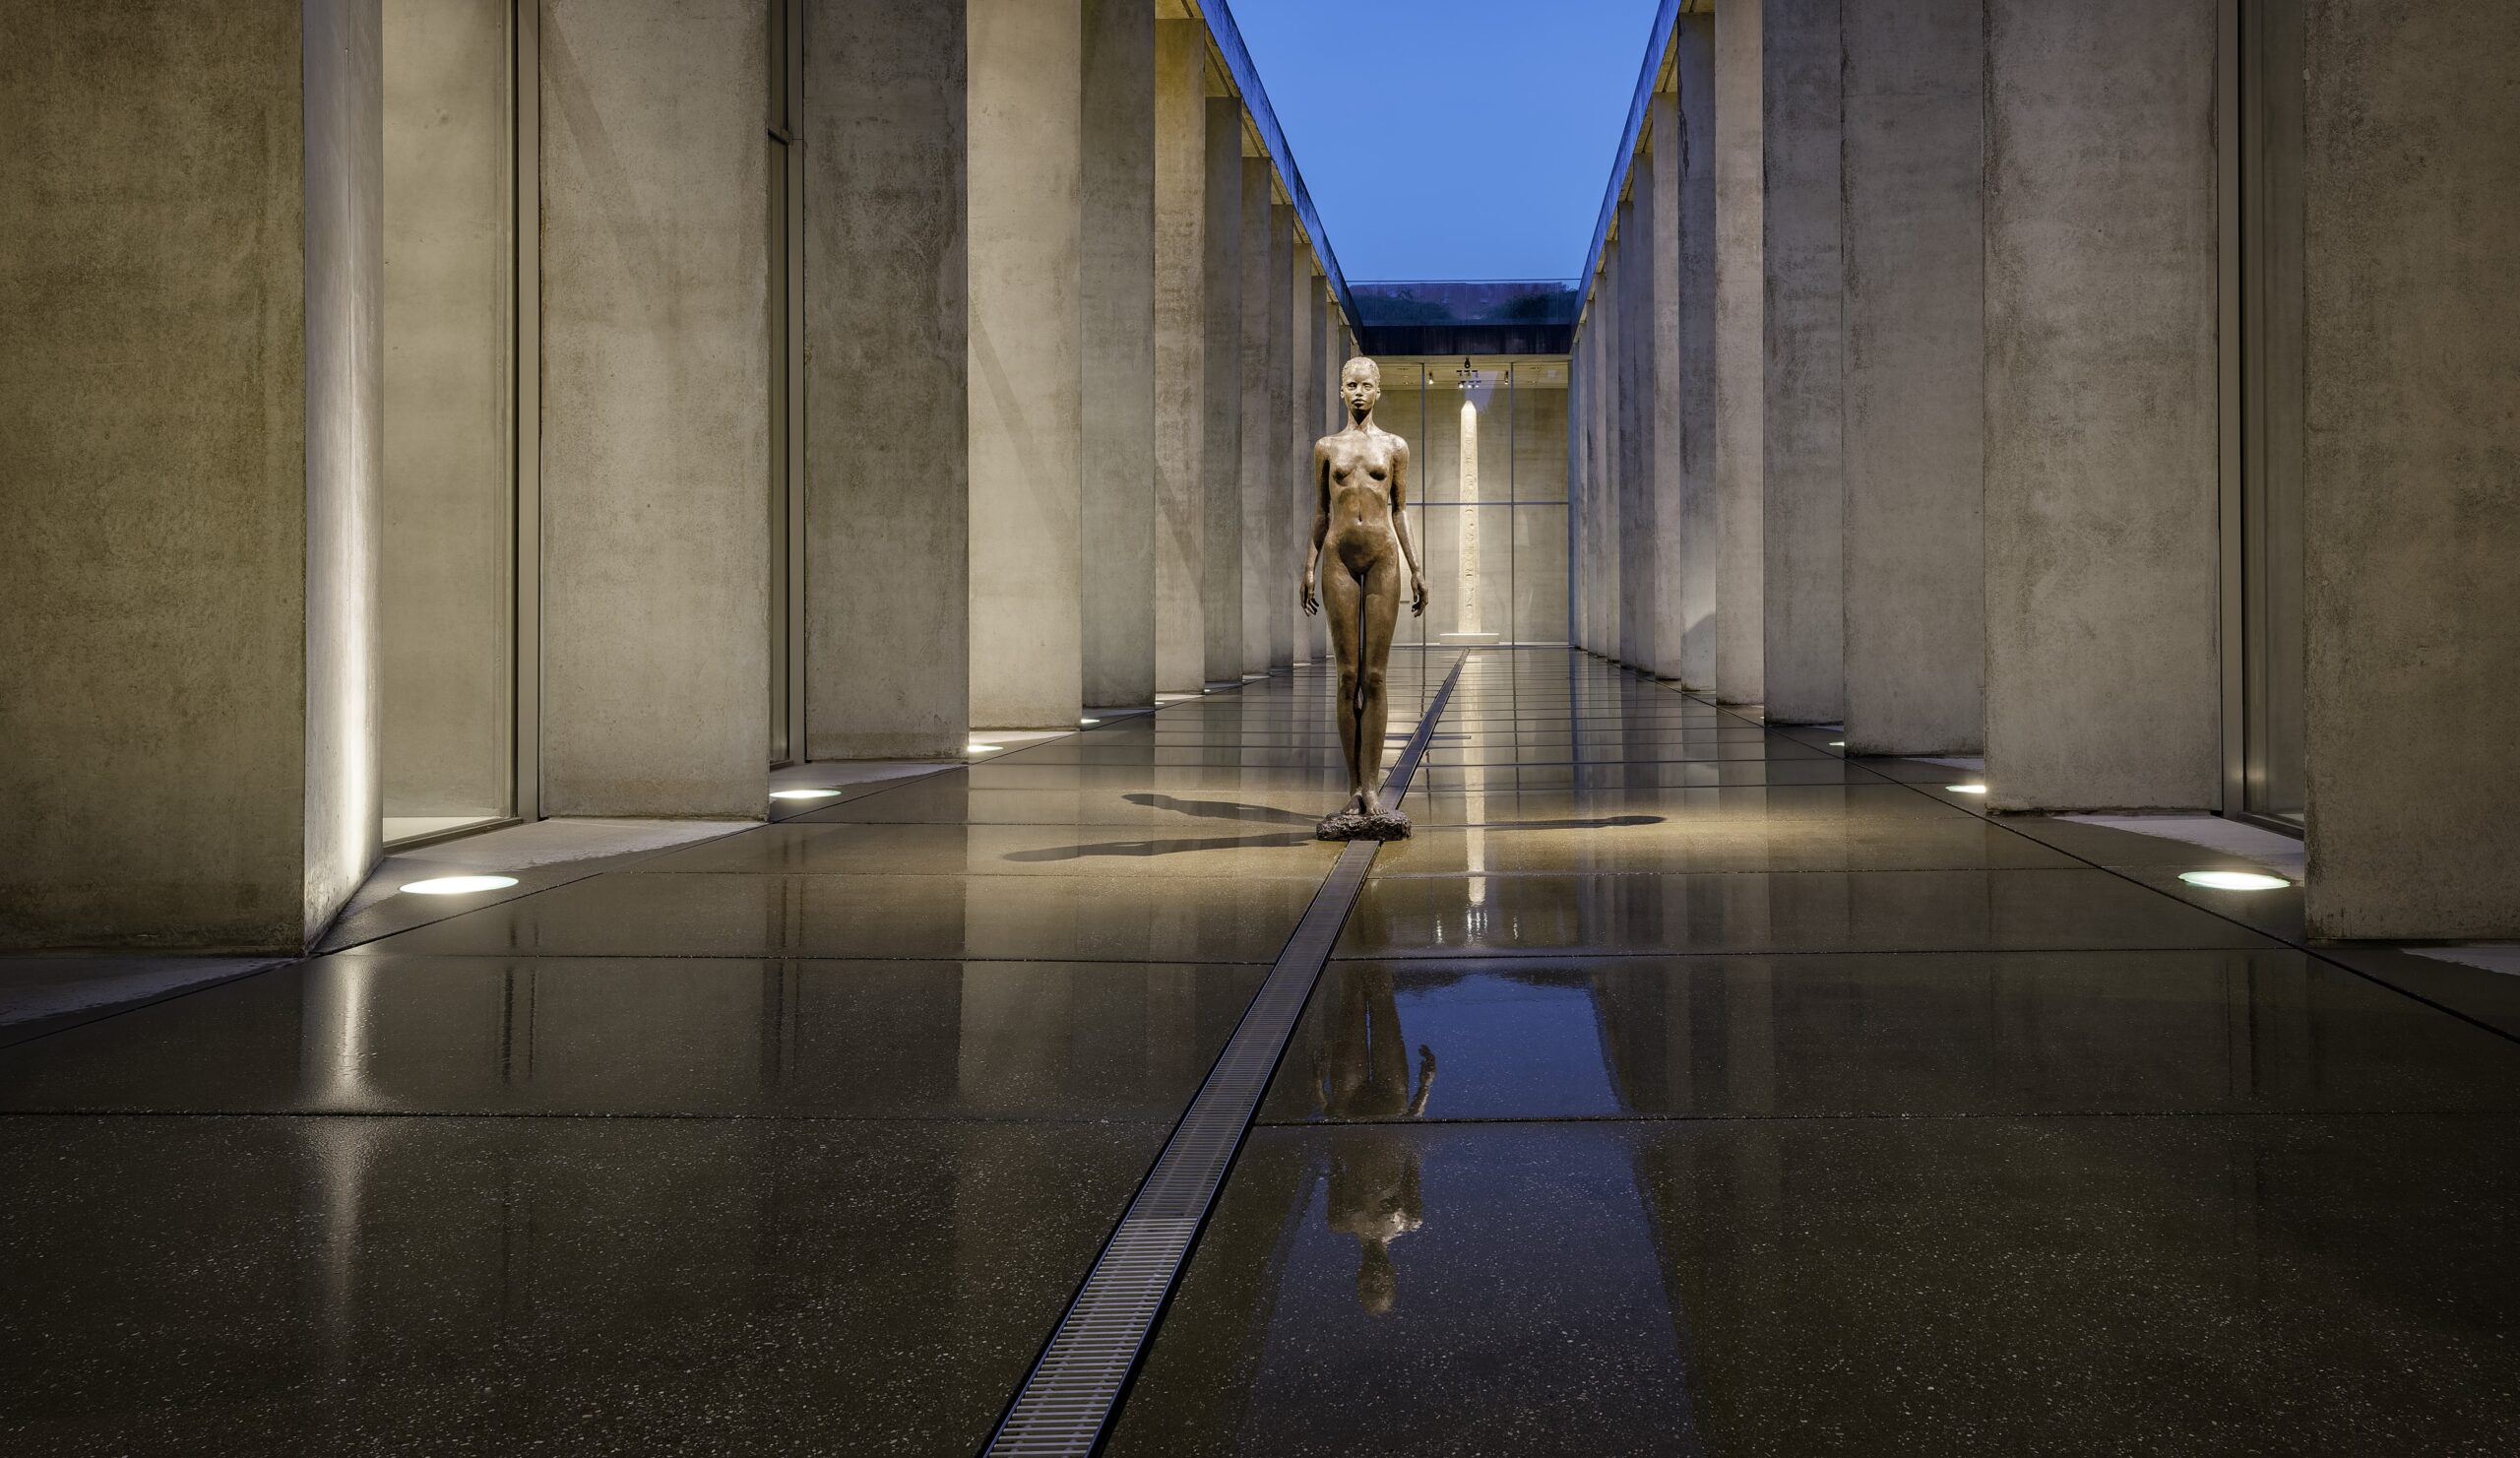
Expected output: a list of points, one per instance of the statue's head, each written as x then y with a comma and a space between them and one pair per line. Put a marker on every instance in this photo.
1360, 385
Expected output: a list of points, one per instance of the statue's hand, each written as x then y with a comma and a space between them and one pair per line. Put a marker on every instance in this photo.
1311, 604
1417, 588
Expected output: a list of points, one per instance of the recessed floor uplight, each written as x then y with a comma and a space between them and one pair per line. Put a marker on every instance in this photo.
1089, 721
1966, 789
1837, 744
802, 793
459, 885
2233, 880
976, 747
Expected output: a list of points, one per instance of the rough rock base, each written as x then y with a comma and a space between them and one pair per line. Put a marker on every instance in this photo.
1348, 825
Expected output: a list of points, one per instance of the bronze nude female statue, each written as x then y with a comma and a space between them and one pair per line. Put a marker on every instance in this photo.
1360, 526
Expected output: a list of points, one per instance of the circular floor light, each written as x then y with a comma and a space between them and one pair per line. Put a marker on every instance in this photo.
1966, 789
802, 793
2234, 880
459, 885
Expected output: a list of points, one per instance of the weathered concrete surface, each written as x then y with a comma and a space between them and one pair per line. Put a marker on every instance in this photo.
1741, 605
1689, 548
655, 359
345, 253
1260, 434
1802, 523
1276, 583
1915, 377
888, 559
1118, 262
1027, 367
1181, 355
2102, 576
1222, 589
2413, 363
446, 615
160, 469
1637, 534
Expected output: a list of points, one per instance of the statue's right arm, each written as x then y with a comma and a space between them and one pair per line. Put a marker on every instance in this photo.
1307, 596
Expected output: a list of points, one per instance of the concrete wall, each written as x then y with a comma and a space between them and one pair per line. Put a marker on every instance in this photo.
1915, 377
1025, 390
1276, 582
1802, 500
656, 357
1684, 352
1181, 355
2102, 577
2413, 365
1740, 606
344, 260
1260, 444
157, 653
1223, 586
1637, 545
1118, 262
446, 658
888, 561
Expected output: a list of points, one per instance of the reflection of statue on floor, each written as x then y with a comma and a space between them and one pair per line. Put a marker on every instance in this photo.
1360, 544
1373, 1170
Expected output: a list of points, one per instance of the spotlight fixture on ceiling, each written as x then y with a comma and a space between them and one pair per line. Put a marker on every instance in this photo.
1469, 374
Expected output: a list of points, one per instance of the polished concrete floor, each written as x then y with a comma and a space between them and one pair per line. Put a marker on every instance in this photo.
1682, 1087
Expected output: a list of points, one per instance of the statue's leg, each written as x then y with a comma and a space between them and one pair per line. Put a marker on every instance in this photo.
1341, 596
1380, 609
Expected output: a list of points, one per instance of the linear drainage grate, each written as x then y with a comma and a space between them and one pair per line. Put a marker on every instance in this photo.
1066, 1402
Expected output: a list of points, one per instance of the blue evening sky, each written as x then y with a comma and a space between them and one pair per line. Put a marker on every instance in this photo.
1451, 138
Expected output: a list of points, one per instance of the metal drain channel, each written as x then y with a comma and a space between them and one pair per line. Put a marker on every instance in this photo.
1066, 1402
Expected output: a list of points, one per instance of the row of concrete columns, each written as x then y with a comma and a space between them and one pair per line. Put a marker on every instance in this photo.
1898, 405
1065, 345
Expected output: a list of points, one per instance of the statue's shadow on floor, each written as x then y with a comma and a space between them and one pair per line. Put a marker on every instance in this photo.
1210, 809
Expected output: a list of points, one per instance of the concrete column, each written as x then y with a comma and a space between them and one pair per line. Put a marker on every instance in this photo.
1804, 485
1684, 354
1027, 368
656, 413
1915, 377
1294, 522
1620, 510
1274, 588
1181, 355
1260, 446
1639, 538
1740, 605
1222, 583
2102, 577
190, 437
887, 325
2412, 364
1118, 262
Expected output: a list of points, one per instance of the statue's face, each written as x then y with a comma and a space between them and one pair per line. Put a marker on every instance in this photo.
1360, 385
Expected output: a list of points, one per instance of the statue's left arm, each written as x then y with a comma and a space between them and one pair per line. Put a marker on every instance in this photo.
1400, 525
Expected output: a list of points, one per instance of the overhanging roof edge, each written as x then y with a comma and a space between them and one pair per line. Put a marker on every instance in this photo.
1658, 43
1255, 101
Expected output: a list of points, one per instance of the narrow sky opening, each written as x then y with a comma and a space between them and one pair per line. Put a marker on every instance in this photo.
1451, 138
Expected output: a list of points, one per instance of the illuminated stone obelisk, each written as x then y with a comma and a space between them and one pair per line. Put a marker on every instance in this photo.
1467, 624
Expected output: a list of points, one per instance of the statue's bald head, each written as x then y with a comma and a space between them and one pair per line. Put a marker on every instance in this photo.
1359, 385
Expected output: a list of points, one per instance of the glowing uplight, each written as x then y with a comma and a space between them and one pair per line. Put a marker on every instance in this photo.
1089, 721
2233, 880
1966, 789
802, 793
976, 747
1837, 744
459, 885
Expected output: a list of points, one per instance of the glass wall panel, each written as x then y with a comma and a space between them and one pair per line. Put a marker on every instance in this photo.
447, 587
1489, 519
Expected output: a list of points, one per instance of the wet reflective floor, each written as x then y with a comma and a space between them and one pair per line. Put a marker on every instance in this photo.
1680, 1087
